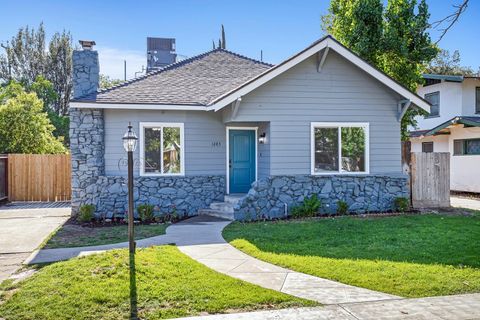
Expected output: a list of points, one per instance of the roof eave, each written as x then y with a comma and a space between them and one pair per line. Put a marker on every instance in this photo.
136, 106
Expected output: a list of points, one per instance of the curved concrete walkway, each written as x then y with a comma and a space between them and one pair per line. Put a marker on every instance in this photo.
201, 239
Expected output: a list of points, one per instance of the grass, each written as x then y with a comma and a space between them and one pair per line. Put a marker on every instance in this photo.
169, 284
410, 256
70, 235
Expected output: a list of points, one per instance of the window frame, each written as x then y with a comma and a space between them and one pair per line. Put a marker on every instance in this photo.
425, 143
142, 126
477, 99
339, 125
464, 147
430, 94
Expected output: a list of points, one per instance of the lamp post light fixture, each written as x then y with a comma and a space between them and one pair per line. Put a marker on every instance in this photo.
130, 144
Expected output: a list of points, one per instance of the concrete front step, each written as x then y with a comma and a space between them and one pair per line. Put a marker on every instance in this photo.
222, 206
216, 213
233, 198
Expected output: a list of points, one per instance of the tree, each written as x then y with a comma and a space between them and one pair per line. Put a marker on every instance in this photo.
222, 41
26, 58
394, 38
444, 63
24, 126
106, 82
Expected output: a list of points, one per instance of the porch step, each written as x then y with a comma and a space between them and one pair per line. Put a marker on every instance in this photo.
216, 213
233, 198
222, 206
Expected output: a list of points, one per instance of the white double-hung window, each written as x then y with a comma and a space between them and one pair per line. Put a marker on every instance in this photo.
161, 149
339, 148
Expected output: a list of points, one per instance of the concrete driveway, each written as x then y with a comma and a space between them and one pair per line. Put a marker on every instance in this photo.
463, 202
23, 227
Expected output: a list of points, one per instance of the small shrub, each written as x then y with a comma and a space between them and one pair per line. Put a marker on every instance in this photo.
309, 207
145, 212
342, 207
296, 212
86, 213
402, 204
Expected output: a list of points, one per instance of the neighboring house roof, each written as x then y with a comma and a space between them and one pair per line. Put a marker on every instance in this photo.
194, 81
217, 78
446, 77
443, 128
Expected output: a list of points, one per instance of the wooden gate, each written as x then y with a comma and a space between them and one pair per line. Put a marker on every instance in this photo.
39, 177
430, 174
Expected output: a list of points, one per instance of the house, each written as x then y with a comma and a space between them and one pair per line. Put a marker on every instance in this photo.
251, 139
453, 126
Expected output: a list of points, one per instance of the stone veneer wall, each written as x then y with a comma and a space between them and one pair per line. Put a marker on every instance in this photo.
372, 193
109, 193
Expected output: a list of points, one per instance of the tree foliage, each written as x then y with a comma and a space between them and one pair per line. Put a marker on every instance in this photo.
106, 82
27, 57
394, 38
24, 125
444, 63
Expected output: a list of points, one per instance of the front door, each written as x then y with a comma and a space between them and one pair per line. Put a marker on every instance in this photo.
241, 160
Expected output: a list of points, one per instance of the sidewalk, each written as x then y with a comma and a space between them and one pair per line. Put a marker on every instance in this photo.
459, 307
201, 239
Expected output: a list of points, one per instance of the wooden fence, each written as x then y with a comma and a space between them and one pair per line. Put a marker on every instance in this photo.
430, 175
39, 177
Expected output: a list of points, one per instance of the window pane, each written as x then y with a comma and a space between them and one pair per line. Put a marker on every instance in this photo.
171, 150
434, 99
152, 150
427, 146
326, 149
353, 149
472, 147
457, 147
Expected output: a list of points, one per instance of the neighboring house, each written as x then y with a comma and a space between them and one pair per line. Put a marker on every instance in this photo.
453, 125
322, 122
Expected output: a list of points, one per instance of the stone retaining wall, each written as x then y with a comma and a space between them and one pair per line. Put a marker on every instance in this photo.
271, 197
185, 195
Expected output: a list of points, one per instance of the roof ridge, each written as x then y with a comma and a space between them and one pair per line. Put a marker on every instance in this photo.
245, 57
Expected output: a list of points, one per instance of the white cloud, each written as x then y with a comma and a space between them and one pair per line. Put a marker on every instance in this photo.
111, 62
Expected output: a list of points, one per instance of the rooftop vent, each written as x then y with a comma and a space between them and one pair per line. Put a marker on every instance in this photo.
160, 53
87, 44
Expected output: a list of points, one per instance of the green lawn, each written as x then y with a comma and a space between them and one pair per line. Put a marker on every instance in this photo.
70, 235
169, 284
410, 256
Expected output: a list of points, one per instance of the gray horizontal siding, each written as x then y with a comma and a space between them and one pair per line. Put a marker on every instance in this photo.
201, 130
340, 93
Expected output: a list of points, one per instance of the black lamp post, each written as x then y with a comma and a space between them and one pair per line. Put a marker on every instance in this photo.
130, 144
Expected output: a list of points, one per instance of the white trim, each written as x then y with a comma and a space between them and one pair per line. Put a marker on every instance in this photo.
141, 127
269, 74
228, 128
131, 106
339, 125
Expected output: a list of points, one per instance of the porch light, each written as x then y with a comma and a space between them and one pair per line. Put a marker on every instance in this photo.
130, 139
262, 139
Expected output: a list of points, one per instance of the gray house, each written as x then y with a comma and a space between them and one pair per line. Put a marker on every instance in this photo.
225, 134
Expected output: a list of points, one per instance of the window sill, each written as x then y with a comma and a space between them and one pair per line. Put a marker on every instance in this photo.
339, 173
432, 117
160, 175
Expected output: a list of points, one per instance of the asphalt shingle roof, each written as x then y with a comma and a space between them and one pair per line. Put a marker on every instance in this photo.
194, 81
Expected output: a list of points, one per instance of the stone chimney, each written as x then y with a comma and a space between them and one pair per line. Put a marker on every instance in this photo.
85, 70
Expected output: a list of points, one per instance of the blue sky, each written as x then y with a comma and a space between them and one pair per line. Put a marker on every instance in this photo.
279, 28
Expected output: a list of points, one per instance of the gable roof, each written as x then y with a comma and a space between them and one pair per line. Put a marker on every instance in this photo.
217, 78
327, 42
193, 82
440, 129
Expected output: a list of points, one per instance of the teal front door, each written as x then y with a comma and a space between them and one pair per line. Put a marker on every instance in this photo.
241, 160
